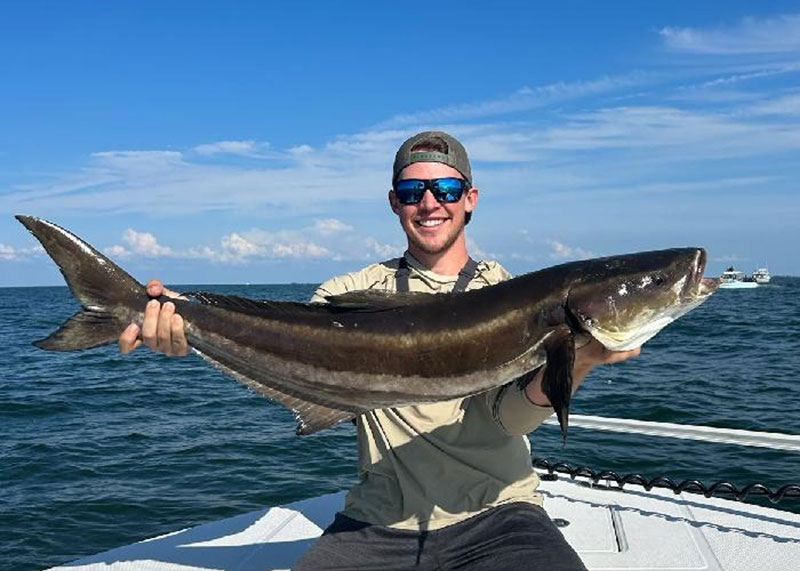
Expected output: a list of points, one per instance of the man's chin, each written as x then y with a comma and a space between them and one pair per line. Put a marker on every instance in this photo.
433, 245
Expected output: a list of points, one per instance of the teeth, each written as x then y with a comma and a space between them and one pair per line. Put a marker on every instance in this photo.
429, 223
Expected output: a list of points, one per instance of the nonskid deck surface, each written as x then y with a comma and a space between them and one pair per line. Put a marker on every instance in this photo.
610, 529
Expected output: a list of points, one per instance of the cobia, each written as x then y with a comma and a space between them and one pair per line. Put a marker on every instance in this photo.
368, 350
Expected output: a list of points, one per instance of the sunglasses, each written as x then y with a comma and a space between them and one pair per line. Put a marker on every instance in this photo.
448, 189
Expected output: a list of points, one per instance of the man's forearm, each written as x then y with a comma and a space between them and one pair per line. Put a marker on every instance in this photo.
534, 389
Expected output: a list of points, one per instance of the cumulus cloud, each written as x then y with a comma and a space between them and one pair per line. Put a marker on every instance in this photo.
778, 35
145, 244
562, 251
330, 226
117, 251
326, 238
260, 244
9, 253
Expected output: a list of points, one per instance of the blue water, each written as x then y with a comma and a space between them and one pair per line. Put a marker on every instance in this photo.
100, 450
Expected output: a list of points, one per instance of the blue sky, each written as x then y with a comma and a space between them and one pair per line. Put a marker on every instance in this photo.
230, 142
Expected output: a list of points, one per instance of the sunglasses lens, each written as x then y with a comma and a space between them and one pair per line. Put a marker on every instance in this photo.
409, 191
448, 189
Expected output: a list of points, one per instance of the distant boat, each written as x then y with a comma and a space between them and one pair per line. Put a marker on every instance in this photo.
735, 279
761, 276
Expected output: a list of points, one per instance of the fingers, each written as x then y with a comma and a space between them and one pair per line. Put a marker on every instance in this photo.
617, 356
170, 338
150, 324
179, 345
128, 339
162, 328
593, 354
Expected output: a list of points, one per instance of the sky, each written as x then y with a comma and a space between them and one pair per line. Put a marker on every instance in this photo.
252, 142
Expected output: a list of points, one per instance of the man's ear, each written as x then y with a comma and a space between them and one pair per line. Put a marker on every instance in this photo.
471, 200
393, 203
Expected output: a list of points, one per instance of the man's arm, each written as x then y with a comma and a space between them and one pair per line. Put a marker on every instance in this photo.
587, 358
162, 328
521, 407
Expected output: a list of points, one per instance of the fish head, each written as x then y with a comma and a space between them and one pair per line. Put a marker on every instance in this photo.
623, 301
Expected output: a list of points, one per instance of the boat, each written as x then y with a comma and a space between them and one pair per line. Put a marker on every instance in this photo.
613, 522
761, 276
735, 279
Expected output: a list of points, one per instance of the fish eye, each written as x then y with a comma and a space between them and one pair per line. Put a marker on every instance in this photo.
659, 280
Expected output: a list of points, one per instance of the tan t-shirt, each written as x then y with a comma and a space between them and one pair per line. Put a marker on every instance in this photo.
432, 465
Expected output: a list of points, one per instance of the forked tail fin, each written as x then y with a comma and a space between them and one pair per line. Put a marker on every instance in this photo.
101, 287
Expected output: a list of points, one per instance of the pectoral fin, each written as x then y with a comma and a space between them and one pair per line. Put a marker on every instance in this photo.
557, 381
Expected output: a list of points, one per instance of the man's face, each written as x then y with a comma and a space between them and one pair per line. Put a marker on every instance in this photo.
432, 227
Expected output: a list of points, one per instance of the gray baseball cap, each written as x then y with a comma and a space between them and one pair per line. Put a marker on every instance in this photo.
449, 151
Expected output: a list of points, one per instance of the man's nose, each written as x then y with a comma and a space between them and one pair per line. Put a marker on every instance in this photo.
428, 201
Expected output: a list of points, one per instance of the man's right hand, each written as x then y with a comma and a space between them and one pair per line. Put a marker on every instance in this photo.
162, 328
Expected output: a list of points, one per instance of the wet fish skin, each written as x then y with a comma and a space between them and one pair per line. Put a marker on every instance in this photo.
368, 350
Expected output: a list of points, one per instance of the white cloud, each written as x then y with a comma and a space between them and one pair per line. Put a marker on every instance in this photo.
562, 251
10, 253
145, 244
523, 99
7, 252
117, 251
779, 35
787, 105
244, 148
330, 226
375, 248
139, 161
327, 238
233, 147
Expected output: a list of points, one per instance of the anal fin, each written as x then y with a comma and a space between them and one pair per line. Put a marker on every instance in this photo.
311, 417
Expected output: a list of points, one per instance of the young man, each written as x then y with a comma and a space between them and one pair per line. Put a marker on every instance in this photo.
444, 485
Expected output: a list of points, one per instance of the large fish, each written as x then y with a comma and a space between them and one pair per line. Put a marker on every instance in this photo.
369, 350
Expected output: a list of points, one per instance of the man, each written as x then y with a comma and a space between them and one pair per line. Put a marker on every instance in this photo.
444, 485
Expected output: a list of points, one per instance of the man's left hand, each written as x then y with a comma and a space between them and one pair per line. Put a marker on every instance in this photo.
587, 358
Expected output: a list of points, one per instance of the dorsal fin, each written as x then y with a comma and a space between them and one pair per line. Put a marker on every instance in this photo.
366, 300
263, 307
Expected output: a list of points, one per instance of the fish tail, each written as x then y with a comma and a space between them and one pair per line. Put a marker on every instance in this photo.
96, 282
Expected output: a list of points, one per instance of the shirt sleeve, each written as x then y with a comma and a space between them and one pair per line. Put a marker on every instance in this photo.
334, 286
513, 411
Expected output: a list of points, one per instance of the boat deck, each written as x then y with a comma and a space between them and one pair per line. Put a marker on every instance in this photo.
611, 529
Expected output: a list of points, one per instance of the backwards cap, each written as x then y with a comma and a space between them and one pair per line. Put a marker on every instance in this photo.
452, 153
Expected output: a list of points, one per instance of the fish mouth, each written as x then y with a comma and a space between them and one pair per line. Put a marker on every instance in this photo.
696, 285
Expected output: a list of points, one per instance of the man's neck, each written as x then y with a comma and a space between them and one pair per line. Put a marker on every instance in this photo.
447, 263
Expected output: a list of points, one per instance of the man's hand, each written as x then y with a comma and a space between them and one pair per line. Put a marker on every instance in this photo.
586, 358
162, 328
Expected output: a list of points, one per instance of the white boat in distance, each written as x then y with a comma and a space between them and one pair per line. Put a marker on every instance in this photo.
761, 276
735, 279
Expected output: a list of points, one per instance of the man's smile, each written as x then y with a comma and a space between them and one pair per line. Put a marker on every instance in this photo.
430, 222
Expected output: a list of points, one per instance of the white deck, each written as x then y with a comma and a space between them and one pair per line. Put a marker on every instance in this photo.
610, 529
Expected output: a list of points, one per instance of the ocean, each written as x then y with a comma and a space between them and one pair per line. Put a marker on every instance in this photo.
100, 450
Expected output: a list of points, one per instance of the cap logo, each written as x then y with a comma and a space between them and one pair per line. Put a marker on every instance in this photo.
429, 157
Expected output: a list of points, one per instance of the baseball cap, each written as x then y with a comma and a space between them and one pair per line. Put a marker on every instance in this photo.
447, 150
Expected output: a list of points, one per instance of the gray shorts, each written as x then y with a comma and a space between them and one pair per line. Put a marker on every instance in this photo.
513, 537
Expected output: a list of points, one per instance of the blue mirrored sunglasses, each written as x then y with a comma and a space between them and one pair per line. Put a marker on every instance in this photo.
448, 189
